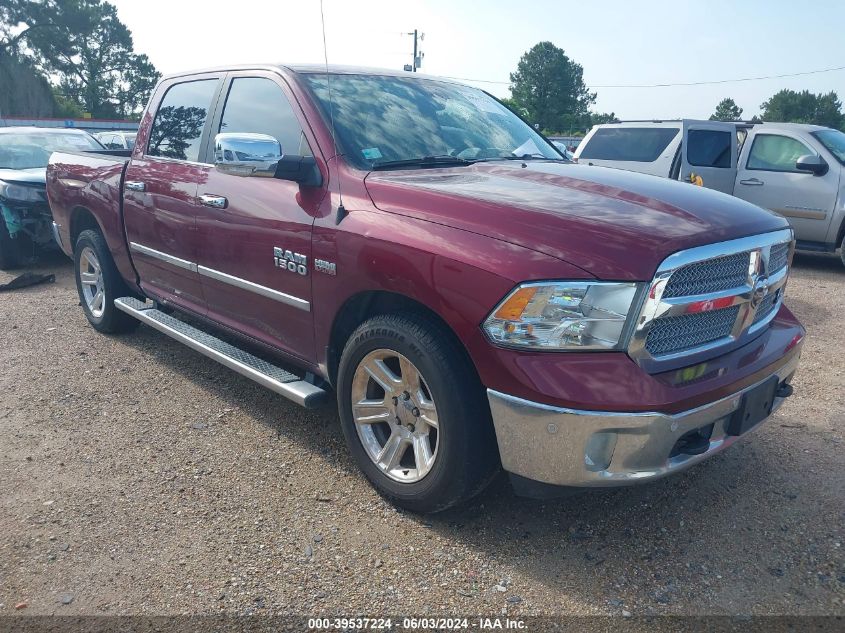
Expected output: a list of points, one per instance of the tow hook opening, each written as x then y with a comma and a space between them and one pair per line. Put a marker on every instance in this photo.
784, 390
693, 442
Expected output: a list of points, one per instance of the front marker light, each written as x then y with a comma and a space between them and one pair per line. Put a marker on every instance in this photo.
563, 315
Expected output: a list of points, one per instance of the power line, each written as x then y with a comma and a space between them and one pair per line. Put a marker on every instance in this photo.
669, 85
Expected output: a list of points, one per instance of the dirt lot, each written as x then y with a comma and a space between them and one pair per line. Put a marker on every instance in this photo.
138, 477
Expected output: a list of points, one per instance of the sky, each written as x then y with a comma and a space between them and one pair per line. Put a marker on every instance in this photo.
617, 42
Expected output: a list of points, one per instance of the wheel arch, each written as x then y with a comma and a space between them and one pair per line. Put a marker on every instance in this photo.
370, 303
82, 219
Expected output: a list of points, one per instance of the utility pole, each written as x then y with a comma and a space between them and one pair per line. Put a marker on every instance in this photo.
418, 55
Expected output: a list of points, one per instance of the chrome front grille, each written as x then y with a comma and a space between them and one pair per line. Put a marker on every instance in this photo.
688, 331
778, 257
712, 275
767, 306
707, 300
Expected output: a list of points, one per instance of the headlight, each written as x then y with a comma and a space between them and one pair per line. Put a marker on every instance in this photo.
570, 315
20, 193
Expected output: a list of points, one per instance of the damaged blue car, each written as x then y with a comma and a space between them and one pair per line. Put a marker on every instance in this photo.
26, 224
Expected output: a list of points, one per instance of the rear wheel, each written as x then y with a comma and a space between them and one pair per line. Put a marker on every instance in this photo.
414, 413
99, 284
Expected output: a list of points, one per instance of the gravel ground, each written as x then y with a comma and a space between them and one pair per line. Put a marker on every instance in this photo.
136, 477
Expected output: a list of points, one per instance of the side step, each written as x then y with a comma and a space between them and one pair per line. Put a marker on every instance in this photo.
274, 378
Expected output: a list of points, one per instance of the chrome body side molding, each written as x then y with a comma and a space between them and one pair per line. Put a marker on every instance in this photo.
164, 257
237, 282
264, 291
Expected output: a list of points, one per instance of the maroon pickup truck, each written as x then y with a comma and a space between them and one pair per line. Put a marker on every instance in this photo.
474, 300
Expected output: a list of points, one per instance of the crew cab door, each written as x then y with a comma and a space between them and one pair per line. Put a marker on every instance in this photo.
255, 260
160, 188
768, 178
710, 151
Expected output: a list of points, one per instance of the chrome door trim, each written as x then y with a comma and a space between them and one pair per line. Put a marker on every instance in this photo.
164, 257
178, 160
133, 185
264, 291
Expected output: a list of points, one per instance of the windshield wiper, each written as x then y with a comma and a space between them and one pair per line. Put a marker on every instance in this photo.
422, 161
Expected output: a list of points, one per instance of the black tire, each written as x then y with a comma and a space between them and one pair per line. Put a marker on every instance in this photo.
111, 320
10, 255
842, 250
467, 456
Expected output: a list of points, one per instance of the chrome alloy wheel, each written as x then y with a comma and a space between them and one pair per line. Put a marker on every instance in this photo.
91, 279
395, 415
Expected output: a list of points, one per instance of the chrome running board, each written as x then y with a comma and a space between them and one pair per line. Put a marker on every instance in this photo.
274, 378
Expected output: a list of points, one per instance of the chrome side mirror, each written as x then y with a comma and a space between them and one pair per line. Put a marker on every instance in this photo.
247, 154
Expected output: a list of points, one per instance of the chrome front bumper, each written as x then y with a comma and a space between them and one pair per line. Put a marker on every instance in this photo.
568, 447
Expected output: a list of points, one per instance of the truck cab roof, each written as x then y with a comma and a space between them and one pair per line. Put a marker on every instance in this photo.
309, 68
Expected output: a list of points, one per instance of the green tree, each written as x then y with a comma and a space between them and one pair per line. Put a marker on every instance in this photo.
727, 110
804, 107
65, 107
597, 118
550, 86
19, 19
91, 54
31, 93
85, 50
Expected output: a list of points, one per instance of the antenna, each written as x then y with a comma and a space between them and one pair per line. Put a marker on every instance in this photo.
341, 211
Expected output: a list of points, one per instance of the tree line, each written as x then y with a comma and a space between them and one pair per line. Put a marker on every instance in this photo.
548, 89
76, 50
789, 106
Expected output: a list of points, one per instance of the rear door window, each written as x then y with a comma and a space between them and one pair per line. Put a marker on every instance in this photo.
709, 148
773, 152
177, 129
642, 145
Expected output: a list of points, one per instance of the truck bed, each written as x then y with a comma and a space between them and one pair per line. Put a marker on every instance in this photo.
85, 189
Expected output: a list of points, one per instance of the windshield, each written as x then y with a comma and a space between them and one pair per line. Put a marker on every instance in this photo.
26, 150
381, 119
834, 141
130, 140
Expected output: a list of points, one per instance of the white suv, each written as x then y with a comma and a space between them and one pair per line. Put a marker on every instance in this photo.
792, 169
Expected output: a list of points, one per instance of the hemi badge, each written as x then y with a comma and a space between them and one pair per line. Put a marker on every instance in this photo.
325, 266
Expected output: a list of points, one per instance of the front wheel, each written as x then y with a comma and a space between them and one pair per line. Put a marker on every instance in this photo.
414, 413
99, 284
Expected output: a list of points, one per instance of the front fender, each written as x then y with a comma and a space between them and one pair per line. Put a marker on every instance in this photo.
458, 275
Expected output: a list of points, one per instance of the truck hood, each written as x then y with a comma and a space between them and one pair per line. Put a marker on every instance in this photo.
613, 224
32, 176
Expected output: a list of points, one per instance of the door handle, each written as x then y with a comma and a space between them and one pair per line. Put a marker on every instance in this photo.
756, 182
215, 202
135, 186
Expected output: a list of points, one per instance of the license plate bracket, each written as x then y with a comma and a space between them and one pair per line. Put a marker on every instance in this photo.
756, 406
